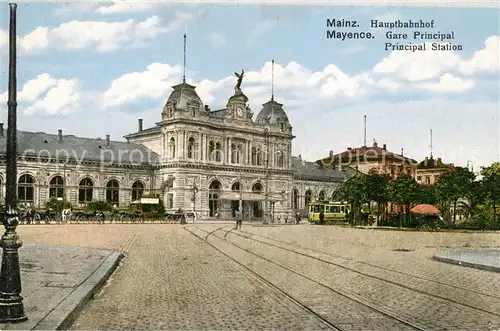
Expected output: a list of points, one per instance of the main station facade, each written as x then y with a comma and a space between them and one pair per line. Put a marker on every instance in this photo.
194, 158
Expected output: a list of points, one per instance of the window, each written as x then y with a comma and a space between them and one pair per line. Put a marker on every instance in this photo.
307, 197
113, 191
295, 199
85, 190
213, 198
171, 148
192, 147
137, 190
56, 187
254, 156
257, 205
280, 162
26, 190
218, 152
321, 195
235, 153
419, 177
170, 201
334, 209
211, 151
427, 180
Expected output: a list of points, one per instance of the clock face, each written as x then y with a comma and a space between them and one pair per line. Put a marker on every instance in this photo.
239, 111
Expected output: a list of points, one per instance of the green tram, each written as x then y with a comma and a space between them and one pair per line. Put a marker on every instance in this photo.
335, 212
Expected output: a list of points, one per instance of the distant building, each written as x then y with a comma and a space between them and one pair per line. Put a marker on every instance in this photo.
430, 169
373, 160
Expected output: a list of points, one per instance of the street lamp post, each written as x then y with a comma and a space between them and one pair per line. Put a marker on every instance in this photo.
266, 196
194, 190
11, 302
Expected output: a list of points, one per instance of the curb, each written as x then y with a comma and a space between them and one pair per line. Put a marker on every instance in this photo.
66, 312
466, 264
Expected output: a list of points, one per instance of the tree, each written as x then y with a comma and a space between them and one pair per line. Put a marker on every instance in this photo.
353, 191
455, 185
404, 191
57, 205
376, 187
99, 205
491, 182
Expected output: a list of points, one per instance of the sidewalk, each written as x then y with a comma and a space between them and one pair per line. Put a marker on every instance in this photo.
57, 281
484, 259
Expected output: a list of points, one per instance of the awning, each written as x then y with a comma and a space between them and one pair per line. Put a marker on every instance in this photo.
249, 196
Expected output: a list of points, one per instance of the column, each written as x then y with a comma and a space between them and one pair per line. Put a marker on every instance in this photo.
200, 146
178, 144
229, 150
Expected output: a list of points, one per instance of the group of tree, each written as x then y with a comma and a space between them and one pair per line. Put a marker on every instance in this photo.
458, 192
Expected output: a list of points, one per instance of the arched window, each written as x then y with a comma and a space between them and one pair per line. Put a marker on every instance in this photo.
171, 148
113, 191
192, 148
235, 154
213, 198
137, 190
295, 199
236, 187
259, 157
85, 190
211, 151
321, 195
26, 190
254, 156
257, 205
307, 197
56, 187
280, 162
218, 152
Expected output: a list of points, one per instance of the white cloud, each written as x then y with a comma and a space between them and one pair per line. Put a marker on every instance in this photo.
48, 95
217, 39
258, 30
153, 83
424, 65
417, 66
104, 36
448, 83
486, 59
125, 7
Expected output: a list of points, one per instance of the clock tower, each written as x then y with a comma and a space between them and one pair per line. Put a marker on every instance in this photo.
237, 108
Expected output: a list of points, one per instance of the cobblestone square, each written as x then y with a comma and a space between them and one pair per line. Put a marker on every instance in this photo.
210, 277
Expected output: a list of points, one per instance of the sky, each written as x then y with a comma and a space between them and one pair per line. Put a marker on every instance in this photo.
94, 68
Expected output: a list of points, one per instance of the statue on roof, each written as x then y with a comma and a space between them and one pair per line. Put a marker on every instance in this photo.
240, 79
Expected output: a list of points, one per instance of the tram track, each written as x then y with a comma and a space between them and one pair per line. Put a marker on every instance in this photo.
348, 298
452, 287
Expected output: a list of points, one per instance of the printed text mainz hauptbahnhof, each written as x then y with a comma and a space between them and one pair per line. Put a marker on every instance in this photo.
398, 35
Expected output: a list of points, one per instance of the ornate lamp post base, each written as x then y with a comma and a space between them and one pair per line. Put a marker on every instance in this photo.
11, 303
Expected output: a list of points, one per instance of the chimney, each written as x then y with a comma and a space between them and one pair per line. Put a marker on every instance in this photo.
107, 140
375, 144
401, 151
349, 148
60, 136
300, 157
331, 154
385, 147
140, 124
1, 129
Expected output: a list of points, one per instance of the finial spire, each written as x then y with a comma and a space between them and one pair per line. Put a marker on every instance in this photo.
364, 136
184, 67
272, 80
431, 143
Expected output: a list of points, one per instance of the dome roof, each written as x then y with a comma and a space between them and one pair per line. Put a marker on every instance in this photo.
184, 95
272, 113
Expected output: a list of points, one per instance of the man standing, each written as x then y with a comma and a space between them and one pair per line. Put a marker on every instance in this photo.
239, 218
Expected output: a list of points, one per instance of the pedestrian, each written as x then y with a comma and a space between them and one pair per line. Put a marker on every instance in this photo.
321, 217
239, 219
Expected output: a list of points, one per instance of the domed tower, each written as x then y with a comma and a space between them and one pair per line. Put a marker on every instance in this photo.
273, 115
183, 101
